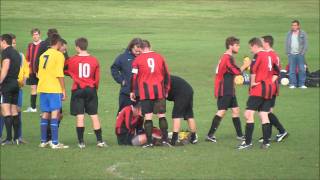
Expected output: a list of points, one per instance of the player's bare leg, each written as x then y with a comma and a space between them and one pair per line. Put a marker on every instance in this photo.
214, 125
237, 123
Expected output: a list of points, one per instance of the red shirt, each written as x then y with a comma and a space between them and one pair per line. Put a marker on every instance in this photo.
225, 73
31, 56
151, 76
126, 121
276, 71
84, 70
262, 67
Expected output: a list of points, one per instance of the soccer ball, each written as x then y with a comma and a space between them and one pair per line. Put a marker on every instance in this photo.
246, 60
284, 81
238, 80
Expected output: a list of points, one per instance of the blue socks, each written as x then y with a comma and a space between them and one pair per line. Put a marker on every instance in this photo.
54, 131
43, 127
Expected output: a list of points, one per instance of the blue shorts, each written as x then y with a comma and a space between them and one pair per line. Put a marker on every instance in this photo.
20, 98
50, 102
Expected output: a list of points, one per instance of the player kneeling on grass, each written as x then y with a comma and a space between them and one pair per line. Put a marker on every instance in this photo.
224, 88
85, 72
181, 93
52, 90
128, 121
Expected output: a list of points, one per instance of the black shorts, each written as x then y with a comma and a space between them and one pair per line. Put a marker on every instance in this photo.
183, 107
84, 101
156, 106
273, 101
32, 80
10, 93
257, 103
225, 102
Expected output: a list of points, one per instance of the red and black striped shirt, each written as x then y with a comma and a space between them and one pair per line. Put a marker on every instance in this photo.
31, 56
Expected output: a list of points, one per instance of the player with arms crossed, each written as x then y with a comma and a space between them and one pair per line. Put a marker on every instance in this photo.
85, 71
151, 76
52, 90
260, 93
224, 88
267, 46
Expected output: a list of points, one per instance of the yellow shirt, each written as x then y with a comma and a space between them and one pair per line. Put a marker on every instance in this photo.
51, 65
24, 71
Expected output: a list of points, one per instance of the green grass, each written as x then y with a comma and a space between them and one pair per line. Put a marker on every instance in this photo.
190, 34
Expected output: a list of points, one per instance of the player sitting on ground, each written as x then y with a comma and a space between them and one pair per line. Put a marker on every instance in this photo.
85, 72
151, 78
224, 88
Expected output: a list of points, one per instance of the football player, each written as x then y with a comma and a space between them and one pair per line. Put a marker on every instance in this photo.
84, 69
151, 78
224, 89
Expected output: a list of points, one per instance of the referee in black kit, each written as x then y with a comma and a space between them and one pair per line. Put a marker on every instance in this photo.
181, 93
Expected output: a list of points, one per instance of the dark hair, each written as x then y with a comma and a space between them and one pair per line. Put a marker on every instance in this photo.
7, 38
230, 41
51, 32
55, 38
33, 30
82, 43
135, 42
268, 39
63, 41
296, 21
145, 44
255, 41
13, 36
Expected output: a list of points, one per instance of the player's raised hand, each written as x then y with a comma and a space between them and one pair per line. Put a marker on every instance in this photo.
132, 97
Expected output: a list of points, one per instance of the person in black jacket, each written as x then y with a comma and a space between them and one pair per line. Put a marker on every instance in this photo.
121, 71
181, 93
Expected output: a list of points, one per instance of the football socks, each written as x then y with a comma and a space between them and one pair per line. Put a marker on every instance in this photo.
54, 131
249, 131
275, 121
148, 125
8, 124
214, 125
265, 133
44, 132
33, 99
80, 131
98, 133
163, 124
16, 124
237, 125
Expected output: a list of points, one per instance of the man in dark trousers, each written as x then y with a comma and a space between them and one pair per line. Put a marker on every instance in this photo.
181, 93
121, 71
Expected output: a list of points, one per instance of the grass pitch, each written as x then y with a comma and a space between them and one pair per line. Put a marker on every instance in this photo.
190, 34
